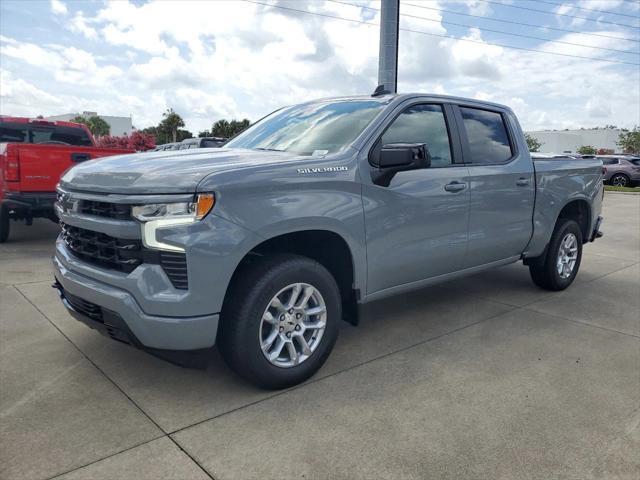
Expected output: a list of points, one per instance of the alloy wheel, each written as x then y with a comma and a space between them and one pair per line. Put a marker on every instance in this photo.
619, 181
292, 325
567, 255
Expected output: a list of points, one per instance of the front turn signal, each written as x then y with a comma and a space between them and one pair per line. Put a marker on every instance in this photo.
204, 204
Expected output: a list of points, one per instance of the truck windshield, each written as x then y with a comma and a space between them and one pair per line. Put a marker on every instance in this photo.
310, 129
27, 133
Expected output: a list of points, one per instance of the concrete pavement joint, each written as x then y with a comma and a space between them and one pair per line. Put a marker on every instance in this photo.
114, 384
550, 294
573, 320
169, 434
348, 369
28, 283
57, 475
557, 294
409, 347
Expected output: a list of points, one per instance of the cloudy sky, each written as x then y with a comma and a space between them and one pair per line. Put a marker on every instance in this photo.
233, 59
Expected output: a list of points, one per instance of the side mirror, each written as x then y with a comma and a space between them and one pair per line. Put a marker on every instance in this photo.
408, 155
399, 157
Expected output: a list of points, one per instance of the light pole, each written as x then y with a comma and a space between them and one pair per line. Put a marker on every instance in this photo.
388, 59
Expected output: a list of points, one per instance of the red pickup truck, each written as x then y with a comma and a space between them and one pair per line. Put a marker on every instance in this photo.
34, 154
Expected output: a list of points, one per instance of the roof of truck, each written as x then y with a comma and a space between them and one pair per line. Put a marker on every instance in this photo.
40, 121
400, 97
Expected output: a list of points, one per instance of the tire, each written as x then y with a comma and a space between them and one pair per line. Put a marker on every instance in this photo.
620, 180
545, 273
4, 225
250, 319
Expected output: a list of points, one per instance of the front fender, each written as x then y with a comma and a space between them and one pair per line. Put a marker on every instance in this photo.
271, 202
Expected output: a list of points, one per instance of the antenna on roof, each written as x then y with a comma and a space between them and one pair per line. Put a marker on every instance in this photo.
380, 90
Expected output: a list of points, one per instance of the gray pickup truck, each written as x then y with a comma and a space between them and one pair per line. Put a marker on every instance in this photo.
264, 245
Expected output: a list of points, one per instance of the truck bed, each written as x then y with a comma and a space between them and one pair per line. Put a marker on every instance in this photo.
40, 166
582, 178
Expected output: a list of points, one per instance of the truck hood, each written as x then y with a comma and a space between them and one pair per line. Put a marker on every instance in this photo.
164, 172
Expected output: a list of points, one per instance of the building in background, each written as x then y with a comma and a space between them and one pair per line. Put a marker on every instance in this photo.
568, 141
119, 126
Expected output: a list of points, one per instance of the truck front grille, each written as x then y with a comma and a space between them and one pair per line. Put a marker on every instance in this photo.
117, 211
123, 255
103, 250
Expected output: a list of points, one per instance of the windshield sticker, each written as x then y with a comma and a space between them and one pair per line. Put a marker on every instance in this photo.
319, 153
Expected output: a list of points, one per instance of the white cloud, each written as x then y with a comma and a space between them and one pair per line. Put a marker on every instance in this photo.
58, 7
209, 60
478, 7
598, 108
79, 24
22, 98
66, 64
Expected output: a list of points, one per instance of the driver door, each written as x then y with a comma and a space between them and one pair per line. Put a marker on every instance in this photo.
416, 228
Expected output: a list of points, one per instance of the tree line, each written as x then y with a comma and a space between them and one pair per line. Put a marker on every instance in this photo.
226, 129
169, 130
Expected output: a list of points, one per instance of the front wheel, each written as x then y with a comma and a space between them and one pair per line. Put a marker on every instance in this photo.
280, 320
559, 267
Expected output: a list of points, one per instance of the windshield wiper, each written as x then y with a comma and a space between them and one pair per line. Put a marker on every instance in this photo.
269, 149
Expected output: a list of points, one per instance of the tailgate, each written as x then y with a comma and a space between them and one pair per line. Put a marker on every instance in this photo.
41, 166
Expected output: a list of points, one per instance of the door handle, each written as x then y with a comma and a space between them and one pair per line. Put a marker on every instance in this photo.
455, 187
522, 182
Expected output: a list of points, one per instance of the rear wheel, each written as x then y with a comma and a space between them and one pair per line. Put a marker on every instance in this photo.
620, 180
280, 320
4, 224
559, 267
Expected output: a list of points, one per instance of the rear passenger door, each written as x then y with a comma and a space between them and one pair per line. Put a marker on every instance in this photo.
502, 184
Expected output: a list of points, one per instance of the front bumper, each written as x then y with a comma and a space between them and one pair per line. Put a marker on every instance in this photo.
122, 312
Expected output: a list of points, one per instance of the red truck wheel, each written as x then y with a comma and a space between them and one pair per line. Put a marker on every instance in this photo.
4, 225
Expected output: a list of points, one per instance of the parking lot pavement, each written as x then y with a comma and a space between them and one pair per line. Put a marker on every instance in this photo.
483, 377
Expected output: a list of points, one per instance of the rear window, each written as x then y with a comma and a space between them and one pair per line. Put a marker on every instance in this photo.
27, 133
15, 133
212, 143
487, 134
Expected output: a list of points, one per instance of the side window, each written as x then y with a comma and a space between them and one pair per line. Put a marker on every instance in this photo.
422, 124
15, 133
487, 135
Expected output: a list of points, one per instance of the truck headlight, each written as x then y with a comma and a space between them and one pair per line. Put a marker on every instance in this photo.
164, 215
